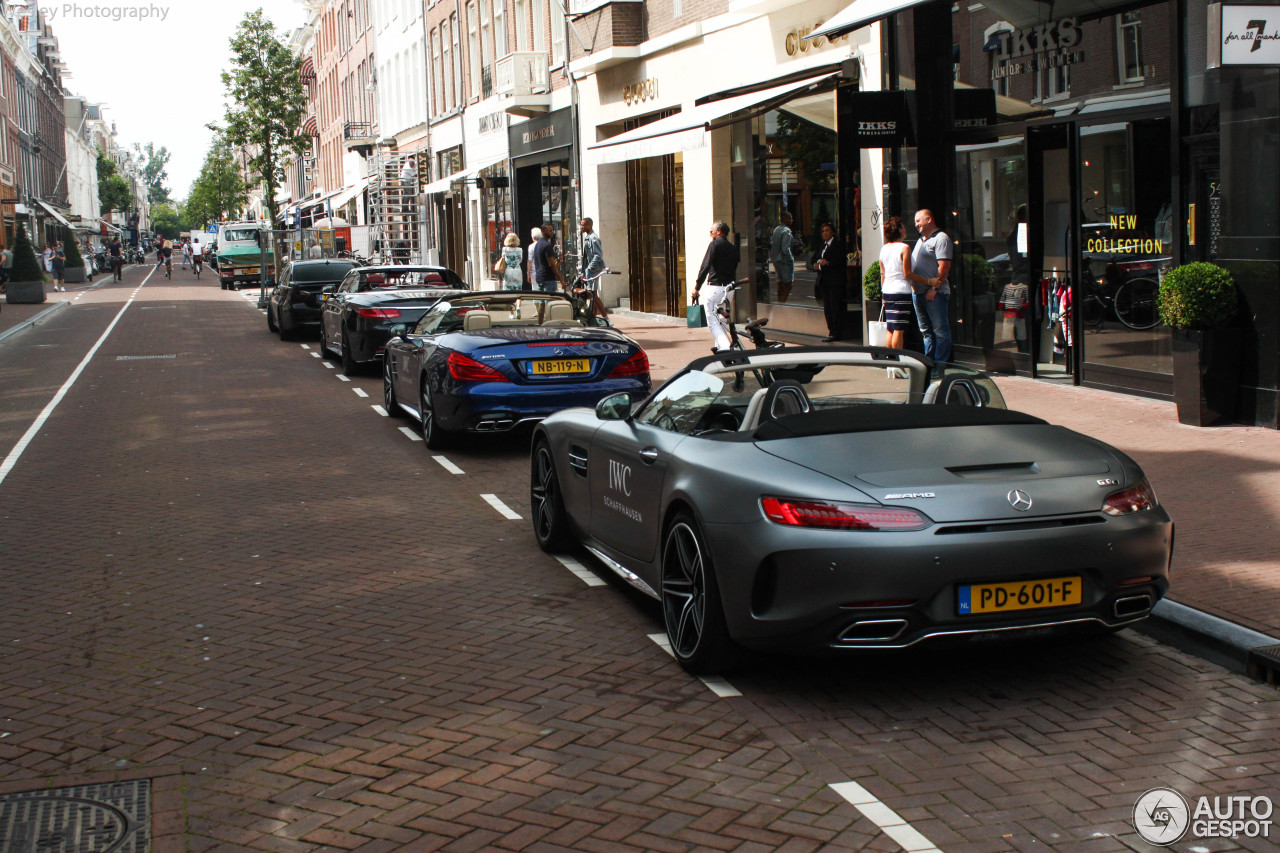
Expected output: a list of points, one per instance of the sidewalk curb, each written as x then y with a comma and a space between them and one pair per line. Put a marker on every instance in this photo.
659, 319
31, 321
1213, 638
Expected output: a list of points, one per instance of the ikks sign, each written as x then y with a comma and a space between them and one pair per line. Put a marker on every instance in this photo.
1036, 48
1244, 35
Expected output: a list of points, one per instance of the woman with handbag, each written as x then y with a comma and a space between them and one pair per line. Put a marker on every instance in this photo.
895, 287
508, 265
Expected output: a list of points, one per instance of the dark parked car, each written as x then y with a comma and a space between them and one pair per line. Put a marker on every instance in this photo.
295, 302
807, 497
488, 362
357, 315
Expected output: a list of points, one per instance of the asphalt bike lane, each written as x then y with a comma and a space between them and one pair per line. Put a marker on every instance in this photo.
230, 569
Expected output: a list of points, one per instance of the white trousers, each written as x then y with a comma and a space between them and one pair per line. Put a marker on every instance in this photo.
713, 296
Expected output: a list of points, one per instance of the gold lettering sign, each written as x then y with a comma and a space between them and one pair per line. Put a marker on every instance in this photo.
645, 90
797, 42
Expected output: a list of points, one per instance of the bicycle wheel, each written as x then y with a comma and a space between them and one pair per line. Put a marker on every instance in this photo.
1092, 310
1137, 303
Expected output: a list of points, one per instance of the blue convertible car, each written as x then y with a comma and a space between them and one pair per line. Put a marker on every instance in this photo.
491, 361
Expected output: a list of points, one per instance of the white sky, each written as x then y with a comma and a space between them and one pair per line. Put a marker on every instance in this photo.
180, 51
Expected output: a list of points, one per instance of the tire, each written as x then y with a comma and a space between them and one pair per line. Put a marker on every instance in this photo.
285, 334
389, 401
434, 437
349, 365
1092, 311
550, 520
1137, 303
691, 606
271, 323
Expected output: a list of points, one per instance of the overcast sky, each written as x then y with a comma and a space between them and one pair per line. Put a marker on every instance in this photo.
160, 77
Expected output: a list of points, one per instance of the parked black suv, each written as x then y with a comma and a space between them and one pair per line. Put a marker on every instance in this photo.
295, 303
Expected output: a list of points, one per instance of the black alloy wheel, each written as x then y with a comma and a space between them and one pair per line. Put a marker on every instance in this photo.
389, 401
434, 437
550, 521
691, 606
271, 322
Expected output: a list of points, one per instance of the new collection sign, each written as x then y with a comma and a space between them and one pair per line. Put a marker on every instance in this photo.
1245, 35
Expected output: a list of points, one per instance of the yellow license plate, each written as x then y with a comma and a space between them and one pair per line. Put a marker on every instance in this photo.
560, 366
1020, 595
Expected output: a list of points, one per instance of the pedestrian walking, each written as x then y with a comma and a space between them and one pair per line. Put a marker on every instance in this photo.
784, 263
931, 260
6, 267
592, 249
542, 260
58, 265
535, 234
47, 257
116, 253
719, 269
509, 267
831, 265
186, 253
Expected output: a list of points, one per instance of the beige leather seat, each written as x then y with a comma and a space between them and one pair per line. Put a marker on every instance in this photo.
473, 320
559, 314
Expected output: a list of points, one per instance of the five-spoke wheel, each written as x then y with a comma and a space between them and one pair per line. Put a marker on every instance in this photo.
550, 521
691, 605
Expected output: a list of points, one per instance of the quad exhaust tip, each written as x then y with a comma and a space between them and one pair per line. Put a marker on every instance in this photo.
1134, 605
874, 631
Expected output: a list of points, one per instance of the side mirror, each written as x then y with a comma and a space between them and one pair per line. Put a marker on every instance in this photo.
398, 330
615, 407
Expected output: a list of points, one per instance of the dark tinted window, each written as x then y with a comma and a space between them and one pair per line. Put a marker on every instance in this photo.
319, 272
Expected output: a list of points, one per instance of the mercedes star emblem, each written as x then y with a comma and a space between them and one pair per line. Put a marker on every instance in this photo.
1019, 500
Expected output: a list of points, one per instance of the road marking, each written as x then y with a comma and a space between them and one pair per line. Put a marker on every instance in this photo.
885, 818
18, 449
413, 436
344, 378
715, 683
448, 466
305, 346
360, 392
328, 364
584, 574
380, 410
315, 355
504, 510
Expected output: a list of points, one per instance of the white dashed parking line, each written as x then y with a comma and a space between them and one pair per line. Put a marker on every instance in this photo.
380, 410
344, 378
413, 436
305, 346
503, 510
448, 466
715, 683
583, 573
884, 817
360, 392
315, 355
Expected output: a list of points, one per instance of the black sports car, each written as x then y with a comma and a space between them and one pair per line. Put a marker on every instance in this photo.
357, 316
488, 362
294, 304
839, 498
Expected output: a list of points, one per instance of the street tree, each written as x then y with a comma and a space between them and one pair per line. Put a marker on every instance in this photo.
154, 160
266, 102
166, 220
113, 189
219, 190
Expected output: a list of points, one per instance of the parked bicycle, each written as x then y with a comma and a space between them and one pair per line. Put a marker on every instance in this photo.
585, 292
1134, 301
755, 332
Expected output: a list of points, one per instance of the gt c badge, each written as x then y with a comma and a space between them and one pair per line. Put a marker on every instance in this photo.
1108, 482
1019, 500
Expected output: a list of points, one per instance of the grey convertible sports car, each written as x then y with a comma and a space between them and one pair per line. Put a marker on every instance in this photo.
842, 498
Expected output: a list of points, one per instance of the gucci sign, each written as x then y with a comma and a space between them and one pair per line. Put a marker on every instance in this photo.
636, 93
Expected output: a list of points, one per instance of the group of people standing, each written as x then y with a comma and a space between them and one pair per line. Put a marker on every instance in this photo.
544, 270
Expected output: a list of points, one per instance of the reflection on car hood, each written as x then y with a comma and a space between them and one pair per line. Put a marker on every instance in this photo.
408, 296
965, 473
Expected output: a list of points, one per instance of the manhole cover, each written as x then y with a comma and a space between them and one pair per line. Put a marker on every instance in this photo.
110, 818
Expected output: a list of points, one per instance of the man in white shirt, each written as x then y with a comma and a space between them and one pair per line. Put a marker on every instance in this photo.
931, 260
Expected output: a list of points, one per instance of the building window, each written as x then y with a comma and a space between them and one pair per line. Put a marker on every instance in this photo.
1129, 46
539, 8
559, 39
486, 49
437, 73
522, 25
447, 101
473, 49
1053, 83
456, 97
500, 28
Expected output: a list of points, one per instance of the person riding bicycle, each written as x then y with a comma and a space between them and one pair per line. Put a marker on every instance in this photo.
115, 251
718, 270
166, 253
197, 254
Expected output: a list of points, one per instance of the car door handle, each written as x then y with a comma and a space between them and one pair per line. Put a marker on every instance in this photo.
649, 455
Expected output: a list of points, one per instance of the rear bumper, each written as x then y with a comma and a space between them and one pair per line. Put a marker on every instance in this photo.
501, 406
299, 317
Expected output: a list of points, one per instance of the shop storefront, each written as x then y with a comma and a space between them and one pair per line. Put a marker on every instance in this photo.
543, 180
1075, 158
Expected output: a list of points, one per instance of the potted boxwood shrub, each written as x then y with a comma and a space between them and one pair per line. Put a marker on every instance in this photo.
75, 271
1198, 302
26, 282
871, 293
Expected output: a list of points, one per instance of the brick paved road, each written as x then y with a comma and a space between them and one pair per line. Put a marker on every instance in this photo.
224, 571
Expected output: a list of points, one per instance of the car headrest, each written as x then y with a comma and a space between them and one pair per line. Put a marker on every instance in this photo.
558, 311
473, 320
375, 279
784, 398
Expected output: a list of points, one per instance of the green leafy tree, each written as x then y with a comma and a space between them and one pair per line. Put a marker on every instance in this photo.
113, 189
154, 160
265, 101
25, 265
808, 147
166, 220
219, 190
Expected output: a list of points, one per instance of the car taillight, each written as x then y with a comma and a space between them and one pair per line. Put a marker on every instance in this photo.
378, 313
841, 516
469, 370
1136, 499
637, 365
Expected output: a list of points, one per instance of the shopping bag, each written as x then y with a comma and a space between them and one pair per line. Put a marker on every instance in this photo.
695, 316
878, 331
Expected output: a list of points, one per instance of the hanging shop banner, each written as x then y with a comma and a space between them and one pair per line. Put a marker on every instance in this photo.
975, 109
875, 119
1244, 35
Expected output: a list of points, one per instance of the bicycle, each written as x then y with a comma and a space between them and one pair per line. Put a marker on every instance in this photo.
197, 263
754, 330
1135, 303
585, 294
168, 268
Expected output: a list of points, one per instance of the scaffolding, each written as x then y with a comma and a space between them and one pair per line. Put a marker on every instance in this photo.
399, 228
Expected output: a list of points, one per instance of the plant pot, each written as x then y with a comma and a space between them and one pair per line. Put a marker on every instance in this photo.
29, 292
1206, 375
74, 275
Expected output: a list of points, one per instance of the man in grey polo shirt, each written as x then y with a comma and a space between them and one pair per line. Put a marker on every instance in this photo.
931, 259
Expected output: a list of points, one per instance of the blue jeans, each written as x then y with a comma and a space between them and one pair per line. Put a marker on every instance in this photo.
549, 286
934, 325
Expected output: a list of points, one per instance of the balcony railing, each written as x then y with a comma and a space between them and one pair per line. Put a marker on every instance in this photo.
522, 73
358, 130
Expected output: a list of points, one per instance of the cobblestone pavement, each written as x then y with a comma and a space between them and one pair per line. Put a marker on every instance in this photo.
222, 570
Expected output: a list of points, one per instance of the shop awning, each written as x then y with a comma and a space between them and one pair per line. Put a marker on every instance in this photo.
859, 13
55, 214
349, 193
442, 185
686, 130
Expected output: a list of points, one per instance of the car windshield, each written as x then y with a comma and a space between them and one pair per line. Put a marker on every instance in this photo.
326, 272
380, 278
731, 399
239, 235
520, 308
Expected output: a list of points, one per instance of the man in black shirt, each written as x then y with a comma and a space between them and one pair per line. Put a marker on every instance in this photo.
719, 267
115, 253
